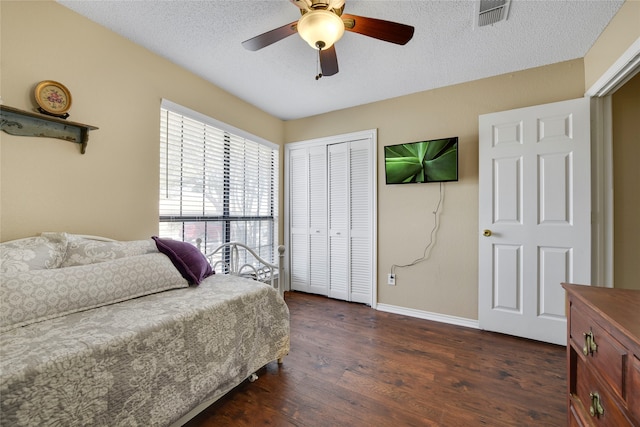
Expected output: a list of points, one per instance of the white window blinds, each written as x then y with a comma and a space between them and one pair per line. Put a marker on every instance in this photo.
217, 183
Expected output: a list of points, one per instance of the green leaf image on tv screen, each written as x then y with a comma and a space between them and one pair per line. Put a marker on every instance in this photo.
424, 161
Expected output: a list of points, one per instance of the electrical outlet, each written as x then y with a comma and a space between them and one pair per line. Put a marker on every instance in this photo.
391, 280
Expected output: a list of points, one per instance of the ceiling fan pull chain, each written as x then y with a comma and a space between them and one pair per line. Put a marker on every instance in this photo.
318, 68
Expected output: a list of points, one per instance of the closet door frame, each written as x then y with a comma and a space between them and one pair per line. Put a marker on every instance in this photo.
372, 136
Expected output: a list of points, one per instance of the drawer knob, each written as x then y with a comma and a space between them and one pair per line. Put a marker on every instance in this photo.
595, 408
590, 345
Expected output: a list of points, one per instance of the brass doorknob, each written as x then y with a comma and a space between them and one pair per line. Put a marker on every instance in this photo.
486, 233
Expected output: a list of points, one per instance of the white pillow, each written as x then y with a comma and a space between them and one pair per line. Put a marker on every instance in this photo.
33, 296
33, 253
83, 251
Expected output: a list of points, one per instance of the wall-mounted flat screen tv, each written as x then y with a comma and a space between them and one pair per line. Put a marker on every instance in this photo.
422, 161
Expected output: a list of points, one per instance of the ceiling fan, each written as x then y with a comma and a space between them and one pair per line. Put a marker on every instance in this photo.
323, 23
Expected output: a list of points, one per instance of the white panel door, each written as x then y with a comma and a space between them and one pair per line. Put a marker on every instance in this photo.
534, 217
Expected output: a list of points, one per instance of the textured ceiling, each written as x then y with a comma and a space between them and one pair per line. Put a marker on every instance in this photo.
447, 48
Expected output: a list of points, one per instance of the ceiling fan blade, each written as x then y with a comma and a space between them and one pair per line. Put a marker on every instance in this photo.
270, 37
387, 31
329, 61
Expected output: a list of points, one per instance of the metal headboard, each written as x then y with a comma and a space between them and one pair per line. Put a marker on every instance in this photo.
266, 272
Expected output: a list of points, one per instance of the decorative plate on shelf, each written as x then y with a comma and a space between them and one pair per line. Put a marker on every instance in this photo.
53, 98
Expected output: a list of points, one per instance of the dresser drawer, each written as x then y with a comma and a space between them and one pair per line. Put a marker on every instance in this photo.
607, 356
588, 385
634, 389
607, 374
574, 418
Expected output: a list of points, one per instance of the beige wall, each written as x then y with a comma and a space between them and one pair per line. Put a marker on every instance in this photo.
626, 178
447, 282
622, 31
112, 190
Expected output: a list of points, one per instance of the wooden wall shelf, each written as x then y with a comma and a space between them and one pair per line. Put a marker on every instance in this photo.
24, 123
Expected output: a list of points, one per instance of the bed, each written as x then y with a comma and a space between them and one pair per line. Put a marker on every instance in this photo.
98, 332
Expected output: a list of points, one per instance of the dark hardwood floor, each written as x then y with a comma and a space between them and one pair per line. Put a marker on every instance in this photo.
351, 365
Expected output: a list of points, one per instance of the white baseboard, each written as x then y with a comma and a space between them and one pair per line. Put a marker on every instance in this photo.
436, 317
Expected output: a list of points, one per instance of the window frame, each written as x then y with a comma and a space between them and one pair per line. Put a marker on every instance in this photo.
227, 219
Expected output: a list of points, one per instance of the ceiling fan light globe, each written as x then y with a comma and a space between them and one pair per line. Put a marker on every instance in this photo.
320, 26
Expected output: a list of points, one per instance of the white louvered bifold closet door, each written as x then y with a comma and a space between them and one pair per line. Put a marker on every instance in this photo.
331, 219
308, 219
318, 273
298, 219
338, 221
350, 246
361, 245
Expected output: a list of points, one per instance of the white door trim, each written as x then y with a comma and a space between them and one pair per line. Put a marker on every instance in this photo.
621, 71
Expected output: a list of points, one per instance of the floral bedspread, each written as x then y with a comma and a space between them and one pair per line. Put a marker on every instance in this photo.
142, 362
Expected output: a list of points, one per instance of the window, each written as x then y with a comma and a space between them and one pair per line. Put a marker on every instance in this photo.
217, 183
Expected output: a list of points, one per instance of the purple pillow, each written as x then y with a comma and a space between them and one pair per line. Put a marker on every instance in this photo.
188, 259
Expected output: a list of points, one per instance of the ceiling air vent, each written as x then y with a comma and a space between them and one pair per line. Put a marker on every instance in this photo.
492, 11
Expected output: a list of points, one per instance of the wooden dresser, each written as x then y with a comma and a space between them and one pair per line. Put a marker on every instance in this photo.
603, 356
